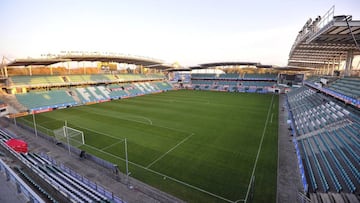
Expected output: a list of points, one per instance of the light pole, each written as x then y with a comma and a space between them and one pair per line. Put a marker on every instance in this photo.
36, 134
67, 136
126, 161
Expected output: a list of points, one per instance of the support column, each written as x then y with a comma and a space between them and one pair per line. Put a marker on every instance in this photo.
5, 71
83, 64
30, 71
333, 67
348, 65
3, 66
328, 68
68, 66
340, 58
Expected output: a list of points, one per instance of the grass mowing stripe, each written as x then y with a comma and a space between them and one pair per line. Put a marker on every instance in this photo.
213, 166
149, 121
259, 149
161, 174
174, 147
127, 116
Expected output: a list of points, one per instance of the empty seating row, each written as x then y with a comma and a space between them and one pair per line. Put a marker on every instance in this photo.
74, 188
55, 80
37, 186
35, 80
23, 189
247, 76
230, 76
64, 98
329, 140
203, 76
47, 99
312, 111
266, 76
258, 83
347, 86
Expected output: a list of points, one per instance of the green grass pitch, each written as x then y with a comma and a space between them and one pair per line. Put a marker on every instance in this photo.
200, 146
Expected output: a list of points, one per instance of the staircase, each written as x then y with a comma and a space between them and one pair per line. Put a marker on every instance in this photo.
11, 100
75, 96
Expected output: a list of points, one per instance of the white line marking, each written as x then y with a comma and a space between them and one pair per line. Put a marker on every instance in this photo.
259, 149
146, 118
107, 147
98, 132
174, 147
163, 175
158, 173
271, 117
126, 117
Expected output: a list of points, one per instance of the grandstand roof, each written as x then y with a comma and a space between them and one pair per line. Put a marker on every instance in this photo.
36, 62
208, 65
151, 63
178, 69
292, 68
325, 39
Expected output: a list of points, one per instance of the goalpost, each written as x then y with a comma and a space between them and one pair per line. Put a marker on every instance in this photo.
76, 138
70, 136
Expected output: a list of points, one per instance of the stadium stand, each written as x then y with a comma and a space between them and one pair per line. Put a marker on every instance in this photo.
76, 187
328, 134
11, 176
336, 94
99, 88
164, 86
36, 185
117, 91
266, 76
18, 81
347, 86
234, 82
232, 76
46, 80
47, 99
203, 76
258, 83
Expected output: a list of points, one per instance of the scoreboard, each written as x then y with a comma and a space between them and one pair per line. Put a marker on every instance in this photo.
291, 79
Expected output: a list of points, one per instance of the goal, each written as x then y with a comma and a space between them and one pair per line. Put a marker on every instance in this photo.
70, 136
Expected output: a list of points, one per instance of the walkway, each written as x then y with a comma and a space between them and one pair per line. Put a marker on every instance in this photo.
288, 180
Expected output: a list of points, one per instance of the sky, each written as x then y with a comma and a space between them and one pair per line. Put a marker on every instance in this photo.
189, 32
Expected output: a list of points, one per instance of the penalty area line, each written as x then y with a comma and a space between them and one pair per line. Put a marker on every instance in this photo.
174, 147
107, 147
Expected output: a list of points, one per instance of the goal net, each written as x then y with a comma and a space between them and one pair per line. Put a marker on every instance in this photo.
70, 136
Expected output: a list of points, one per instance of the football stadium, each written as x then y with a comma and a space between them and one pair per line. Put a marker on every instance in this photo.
106, 127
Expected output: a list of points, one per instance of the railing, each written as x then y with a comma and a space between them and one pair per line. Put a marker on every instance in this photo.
22, 187
302, 198
298, 154
312, 27
326, 19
